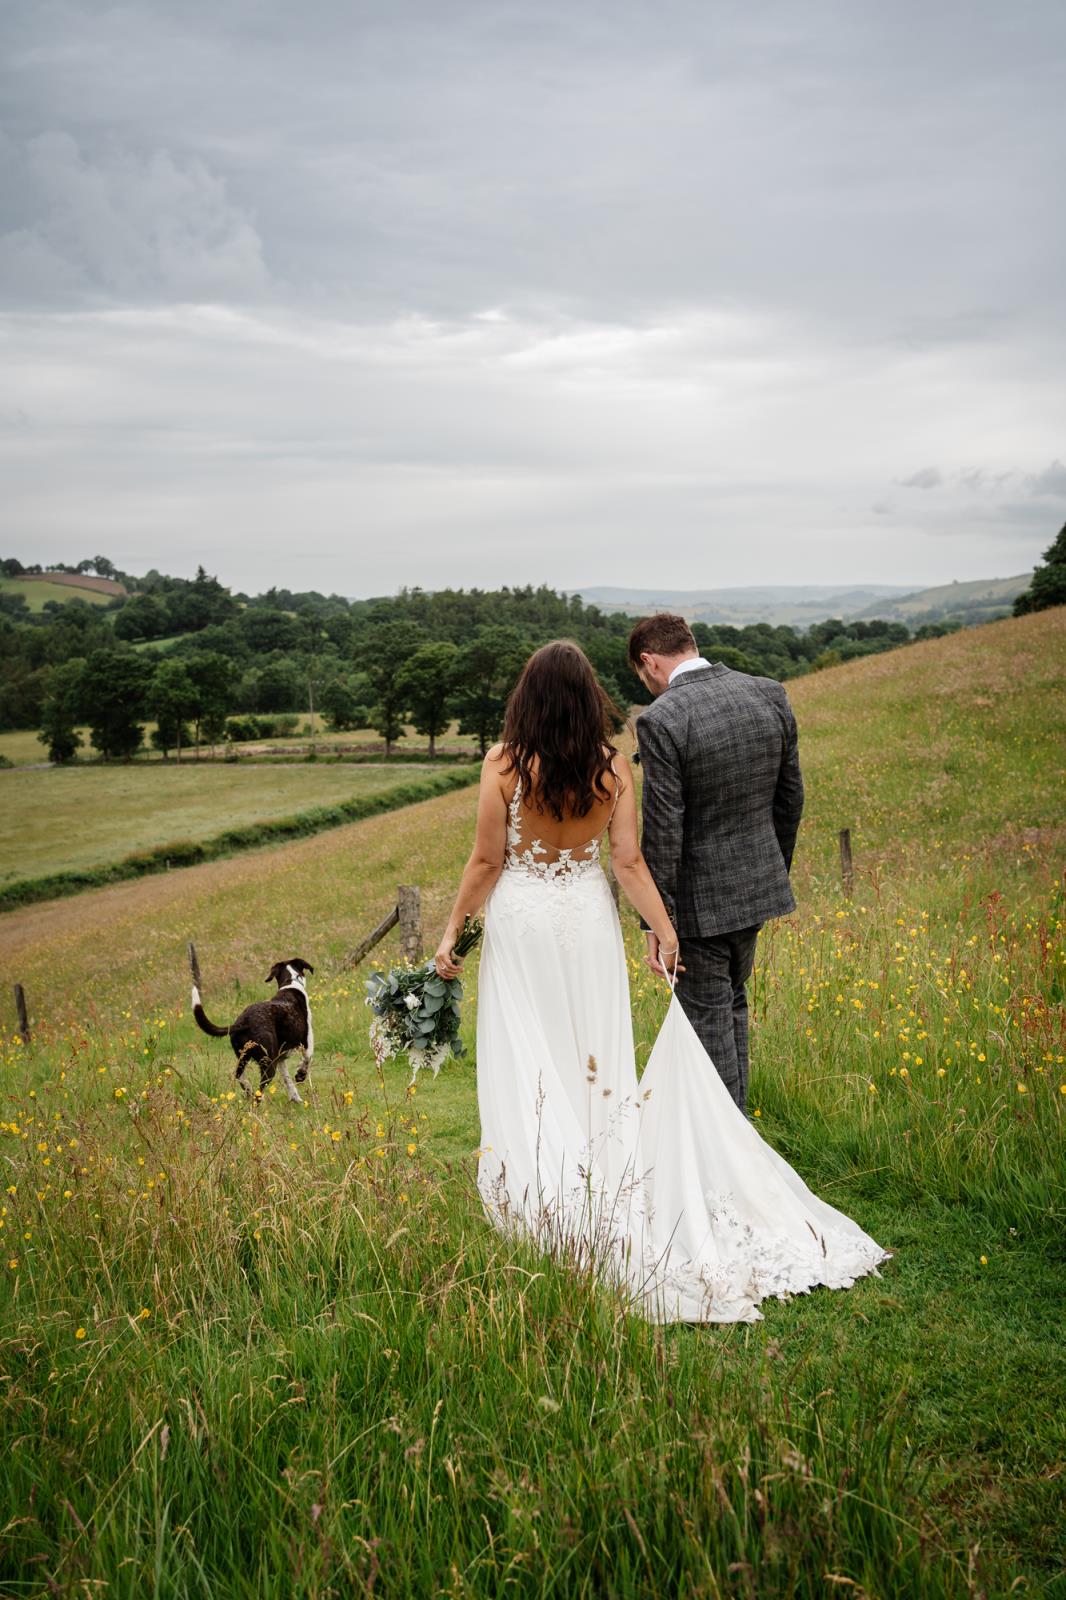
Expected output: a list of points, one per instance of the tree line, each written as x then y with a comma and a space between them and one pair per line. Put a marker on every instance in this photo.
1048, 585
204, 663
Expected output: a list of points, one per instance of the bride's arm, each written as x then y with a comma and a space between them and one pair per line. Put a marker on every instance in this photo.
485, 863
631, 870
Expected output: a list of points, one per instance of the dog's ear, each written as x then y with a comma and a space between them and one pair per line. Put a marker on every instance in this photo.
276, 973
305, 966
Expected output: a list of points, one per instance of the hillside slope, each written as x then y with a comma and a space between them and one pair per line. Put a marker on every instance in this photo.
948, 746
958, 602
931, 754
307, 1302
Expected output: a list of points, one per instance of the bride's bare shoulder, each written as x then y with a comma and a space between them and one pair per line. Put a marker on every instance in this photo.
498, 768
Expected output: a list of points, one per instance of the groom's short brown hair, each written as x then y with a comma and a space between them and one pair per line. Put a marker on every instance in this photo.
661, 635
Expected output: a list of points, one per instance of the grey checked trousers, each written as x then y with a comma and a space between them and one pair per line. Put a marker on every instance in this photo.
714, 998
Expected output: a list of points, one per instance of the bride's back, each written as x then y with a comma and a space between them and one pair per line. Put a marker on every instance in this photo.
557, 759
570, 832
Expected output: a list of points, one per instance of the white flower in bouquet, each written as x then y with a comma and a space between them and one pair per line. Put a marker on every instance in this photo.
417, 1011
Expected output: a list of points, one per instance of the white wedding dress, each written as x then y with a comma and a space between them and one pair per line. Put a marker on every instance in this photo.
664, 1188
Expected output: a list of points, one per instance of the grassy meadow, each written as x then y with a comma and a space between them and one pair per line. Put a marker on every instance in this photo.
275, 1350
38, 591
62, 818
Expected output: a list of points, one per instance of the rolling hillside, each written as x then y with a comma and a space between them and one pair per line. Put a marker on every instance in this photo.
800, 606
797, 605
305, 1305
978, 601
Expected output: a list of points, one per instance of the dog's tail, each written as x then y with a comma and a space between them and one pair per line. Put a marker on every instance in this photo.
202, 1019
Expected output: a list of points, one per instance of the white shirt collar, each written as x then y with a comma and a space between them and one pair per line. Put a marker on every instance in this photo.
686, 666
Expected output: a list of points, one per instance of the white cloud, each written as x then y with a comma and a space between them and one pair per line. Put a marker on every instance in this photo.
508, 448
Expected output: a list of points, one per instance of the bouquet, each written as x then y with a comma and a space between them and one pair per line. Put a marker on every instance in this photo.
418, 1011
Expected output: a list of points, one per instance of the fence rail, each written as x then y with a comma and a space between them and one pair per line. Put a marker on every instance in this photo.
407, 915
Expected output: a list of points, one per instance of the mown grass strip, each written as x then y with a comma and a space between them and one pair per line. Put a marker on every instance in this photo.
192, 852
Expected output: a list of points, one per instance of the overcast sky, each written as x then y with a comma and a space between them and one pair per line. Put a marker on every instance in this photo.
346, 296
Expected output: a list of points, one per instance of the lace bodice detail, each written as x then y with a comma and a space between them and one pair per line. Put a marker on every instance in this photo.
548, 862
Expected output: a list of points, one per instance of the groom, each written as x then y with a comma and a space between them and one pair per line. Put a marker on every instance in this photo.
722, 801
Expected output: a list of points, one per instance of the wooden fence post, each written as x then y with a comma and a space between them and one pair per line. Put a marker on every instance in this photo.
846, 871
409, 910
20, 1007
372, 939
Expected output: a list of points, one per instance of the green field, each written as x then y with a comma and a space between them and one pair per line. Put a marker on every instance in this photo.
278, 1352
37, 591
76, 817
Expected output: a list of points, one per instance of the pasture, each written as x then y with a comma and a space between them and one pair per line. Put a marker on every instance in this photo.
275, 1350
38, 591
65, 818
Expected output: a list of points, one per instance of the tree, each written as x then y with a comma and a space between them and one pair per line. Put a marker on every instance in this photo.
103, 567
170, 699
426, 682
278, 687
486, 670
340, 702
383, 650
213, 677
1048, 586
114, 687
143, 617
62, 711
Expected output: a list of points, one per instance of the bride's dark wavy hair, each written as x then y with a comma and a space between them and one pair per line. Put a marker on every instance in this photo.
560, 714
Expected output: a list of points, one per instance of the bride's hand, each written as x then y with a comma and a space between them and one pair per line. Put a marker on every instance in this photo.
447, 963
664, 959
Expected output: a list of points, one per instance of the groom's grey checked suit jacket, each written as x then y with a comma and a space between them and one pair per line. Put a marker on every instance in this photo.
723, 795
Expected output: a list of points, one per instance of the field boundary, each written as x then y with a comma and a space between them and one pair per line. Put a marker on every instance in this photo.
193, 852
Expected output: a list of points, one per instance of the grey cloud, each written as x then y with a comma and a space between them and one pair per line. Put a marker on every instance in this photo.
981, 481
515, 276
925, 478
1052, 481
123, 227
1023, 519
605, 157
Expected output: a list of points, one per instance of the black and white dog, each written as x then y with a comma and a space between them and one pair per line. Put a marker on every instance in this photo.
268, 1030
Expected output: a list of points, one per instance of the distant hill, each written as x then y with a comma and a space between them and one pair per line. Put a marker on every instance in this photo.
800, 605
980, 601
795, 604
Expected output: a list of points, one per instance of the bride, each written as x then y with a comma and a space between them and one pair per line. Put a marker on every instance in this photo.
663, 1187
